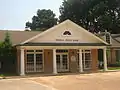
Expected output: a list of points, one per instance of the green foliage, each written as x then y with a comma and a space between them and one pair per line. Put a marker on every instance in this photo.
1, 44
6, 46
1, 48
43, 20
7, 55
113, 68
7, 42
1, 75
117, 64
94, 15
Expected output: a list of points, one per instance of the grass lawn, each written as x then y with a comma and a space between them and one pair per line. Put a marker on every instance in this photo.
113, 68
7, 74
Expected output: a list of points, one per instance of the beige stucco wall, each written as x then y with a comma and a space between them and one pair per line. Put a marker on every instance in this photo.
113, 56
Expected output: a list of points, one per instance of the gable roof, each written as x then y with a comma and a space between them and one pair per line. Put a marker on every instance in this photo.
60, 25
18, 37
115, 38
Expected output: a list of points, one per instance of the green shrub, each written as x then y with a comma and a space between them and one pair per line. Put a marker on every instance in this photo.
1, 75
117, 64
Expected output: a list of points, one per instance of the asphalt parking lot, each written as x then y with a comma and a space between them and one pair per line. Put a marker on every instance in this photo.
21, 84
94, 81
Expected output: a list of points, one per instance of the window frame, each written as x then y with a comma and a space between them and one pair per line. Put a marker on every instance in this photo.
34, 52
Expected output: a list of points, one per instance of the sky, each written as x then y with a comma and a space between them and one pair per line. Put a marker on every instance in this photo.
15, 13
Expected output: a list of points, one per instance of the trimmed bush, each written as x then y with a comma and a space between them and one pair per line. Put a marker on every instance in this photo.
114, 65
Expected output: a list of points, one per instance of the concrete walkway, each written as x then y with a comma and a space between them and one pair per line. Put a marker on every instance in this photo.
95, 81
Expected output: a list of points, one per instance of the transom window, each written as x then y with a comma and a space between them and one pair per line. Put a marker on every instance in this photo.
30, 51
61, 51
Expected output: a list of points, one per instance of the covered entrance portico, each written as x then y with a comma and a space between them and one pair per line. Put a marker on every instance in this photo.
63, 58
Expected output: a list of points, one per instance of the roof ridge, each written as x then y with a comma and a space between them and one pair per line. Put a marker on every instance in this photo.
19, 31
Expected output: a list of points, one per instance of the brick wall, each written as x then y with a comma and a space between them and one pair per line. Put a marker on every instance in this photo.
73, 65
48, 61
94, 54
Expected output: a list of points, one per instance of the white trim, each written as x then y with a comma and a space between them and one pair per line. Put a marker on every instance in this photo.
67, 21
22, 66
63, 47
34, 61
105, 59
54, 62
80, 61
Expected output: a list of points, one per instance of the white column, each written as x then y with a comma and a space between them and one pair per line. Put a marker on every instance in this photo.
80, 61
22, 69
54, 62
105, 59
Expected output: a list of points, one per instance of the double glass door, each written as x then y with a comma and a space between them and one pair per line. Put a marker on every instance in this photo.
62, 62
34, 62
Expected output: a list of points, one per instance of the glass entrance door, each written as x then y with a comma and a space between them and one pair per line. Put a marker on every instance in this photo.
62, 62
34, 62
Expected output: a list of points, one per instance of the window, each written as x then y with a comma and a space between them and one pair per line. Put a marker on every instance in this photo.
117, 55
39, 50
86, 59
39, 62
108, 38
34, 62
30, 62
67, 33
61, 51
62, 60
30, 50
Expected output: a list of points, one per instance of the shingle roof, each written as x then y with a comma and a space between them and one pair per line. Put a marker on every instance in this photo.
115, 39
18, 37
